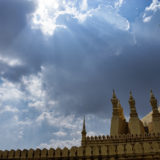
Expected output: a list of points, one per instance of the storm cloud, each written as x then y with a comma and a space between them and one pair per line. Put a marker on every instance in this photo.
60, 62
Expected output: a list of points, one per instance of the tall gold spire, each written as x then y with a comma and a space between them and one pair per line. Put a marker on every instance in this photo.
133, 112
114, 101
83, 133
153, 102
84, 125
114, 94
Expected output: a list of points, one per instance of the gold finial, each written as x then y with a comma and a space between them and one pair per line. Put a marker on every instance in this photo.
131, 97
133, 112
114, 101
130, 93
83, 141
153, 102
84, 126
152, 97
114, 94
151, 94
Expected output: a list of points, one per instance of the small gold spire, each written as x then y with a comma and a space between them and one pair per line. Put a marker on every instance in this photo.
133, 112
153, 102
151, 94
130, 93
84, 126
83, 141
114, 101
114, 98
114, 94
131, 99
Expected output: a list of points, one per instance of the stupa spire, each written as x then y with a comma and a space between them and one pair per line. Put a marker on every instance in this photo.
133, 112
83, 133
84, 125
114, 94
114, 101
153, 102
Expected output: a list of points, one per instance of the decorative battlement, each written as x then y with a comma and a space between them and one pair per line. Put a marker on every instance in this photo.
131, 150
106, 140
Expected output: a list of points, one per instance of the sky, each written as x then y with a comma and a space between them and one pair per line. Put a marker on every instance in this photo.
61, 59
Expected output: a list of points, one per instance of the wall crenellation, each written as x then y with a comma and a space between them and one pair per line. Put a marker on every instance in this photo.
110, 151
123, 137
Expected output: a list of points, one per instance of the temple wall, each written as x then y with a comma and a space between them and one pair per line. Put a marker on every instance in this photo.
116, 150
106, 140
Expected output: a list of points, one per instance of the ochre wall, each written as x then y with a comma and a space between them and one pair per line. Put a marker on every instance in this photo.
128, 150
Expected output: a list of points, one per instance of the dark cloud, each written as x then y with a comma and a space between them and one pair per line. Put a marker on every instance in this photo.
80, 65
13, 19
84, 76
84, 62
89, 91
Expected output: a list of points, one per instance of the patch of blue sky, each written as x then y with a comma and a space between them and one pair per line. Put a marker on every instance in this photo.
132, 9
